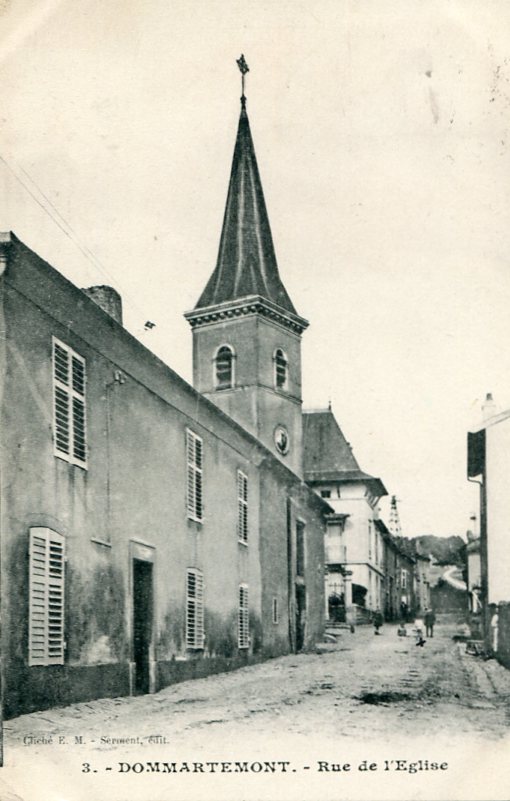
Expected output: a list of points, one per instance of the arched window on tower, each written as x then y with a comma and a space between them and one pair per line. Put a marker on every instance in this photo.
280, 369
224, 367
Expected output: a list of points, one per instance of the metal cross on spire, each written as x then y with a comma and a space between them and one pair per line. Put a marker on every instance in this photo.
244, 68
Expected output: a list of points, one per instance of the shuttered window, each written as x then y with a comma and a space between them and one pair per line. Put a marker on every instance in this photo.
69, 412
194, 455
242, 507
243, 630
46, 597
194, 609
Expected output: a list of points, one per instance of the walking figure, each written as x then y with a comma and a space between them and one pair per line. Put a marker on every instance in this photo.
378, 621
430, 619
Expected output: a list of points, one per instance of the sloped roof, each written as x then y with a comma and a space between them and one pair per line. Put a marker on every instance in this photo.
327, 456
246, 264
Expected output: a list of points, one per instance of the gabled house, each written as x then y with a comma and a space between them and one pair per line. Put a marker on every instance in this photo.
332, 470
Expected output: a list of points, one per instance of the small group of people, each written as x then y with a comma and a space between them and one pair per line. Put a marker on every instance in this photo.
428, 621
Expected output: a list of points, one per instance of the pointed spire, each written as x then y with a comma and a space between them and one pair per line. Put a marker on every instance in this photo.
246, 263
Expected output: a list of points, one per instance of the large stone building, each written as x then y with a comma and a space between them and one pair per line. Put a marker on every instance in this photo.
150, 530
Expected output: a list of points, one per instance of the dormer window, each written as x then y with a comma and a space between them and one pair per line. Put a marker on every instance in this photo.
224, 367
280, 369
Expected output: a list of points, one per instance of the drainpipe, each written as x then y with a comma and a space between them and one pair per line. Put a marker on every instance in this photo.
118, 379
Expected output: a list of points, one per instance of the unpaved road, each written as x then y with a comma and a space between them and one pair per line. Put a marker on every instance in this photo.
369, 693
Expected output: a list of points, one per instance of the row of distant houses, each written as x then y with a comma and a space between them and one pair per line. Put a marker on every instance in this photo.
368, 568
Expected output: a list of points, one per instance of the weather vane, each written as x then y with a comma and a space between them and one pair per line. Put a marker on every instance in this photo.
244, 68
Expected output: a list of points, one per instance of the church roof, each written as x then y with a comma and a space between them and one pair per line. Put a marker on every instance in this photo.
246, 264
327, 456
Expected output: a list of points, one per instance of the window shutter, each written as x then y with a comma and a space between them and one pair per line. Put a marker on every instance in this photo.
46, 597
243, 631
242, 507
69, 382
61, 399
194, 609
194, 456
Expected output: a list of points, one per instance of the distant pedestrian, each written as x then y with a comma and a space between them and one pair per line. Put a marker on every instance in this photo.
418, 631
430, 619
378, 621
494, 627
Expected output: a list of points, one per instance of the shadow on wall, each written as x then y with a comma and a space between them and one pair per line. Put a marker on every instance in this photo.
95, 634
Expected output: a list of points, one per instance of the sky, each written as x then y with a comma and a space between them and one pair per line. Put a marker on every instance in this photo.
382, 138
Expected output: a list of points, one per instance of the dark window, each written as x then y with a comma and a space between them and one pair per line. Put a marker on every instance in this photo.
325, 493
225, 367
300, 548
280, 369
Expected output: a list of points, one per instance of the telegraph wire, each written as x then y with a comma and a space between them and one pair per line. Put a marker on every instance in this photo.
68, 231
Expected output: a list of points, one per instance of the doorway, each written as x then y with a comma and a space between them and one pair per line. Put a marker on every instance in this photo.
300, 616
142, 623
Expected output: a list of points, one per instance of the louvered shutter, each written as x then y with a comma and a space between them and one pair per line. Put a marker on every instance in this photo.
62, 410
194, 456
69, 383
194, 609
46, 597
242, 507
243, 632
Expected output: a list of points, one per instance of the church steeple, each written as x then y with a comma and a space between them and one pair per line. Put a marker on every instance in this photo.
246, 263
246, 331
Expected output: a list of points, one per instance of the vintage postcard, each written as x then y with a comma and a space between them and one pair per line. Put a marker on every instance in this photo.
254, 400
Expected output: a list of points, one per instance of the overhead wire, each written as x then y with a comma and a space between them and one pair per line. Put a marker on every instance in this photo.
68, 230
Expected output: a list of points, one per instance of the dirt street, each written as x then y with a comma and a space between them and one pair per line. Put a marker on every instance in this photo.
369, 692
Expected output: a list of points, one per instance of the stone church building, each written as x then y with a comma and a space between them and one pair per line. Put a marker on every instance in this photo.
152, 531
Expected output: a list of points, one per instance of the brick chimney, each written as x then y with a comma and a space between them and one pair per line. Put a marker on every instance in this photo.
108, 299
489, 408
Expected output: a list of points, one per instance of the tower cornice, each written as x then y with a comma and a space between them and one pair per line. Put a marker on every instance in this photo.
251, 305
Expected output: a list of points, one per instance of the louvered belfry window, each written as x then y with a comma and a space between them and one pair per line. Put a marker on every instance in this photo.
225, 367
46, 597
280, 369
69, 381
243, 629
194, 609
242, 507
194, 456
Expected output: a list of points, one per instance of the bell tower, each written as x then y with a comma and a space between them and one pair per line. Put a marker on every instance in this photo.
246, 331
